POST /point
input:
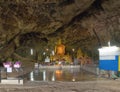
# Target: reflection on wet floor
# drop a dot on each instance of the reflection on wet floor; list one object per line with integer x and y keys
{"x": 71, "y": 74}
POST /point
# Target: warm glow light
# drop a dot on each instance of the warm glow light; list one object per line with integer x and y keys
{"x": 73, "y": 49}
{"x": 73, "y": 79}
{"x": 47, "y": 49}
{"x": 58, "y": 72}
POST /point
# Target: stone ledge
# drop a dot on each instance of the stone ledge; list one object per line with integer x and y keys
{"x": 12, "y": 81}
{"x": 57, "y": 67}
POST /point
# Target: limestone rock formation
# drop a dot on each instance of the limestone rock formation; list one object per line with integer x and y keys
{"x": 38, "y": 24}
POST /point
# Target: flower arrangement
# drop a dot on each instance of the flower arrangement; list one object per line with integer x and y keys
{"x": 7, "y": 64}
{"x": 17, "y": 64}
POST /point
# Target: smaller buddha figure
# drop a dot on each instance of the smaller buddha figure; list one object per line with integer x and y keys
{"x": 60, "y": 48}
{"x": 68, "y": 58}
{"x": 79, "y": 53}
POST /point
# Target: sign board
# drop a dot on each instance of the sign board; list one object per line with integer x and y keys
{"x": 9, "y": 69}
{"x": 109, "y": 58}
{"x": 47, "y": 59}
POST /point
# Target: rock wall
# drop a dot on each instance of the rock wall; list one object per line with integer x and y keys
{"x": 38, "y": 24}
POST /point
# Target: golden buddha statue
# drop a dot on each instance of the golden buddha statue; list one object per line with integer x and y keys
{"x": 59, "y": 48}
{"x": 79, "y": 53}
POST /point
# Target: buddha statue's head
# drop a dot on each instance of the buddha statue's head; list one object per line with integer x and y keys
{"x": 59, "y": 41}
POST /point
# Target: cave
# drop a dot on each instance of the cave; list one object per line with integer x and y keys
{"x": 38, "y": 24}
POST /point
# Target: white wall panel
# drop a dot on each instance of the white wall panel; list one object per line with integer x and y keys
{"x": 107, "y": 57}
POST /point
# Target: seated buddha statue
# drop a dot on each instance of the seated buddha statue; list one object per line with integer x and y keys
{"x": 59, "y": 48}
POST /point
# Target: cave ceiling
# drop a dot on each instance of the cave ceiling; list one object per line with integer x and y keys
{"x": 86, "y": 24}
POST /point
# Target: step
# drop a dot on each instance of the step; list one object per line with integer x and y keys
{"x": 12, "y": 81}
